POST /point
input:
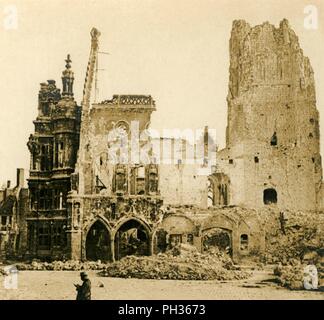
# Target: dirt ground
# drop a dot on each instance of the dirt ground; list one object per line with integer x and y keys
{"x": 57, "y": 285}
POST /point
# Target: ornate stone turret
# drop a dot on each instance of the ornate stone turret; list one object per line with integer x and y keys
{"x": 65, "y": 120}
{"x": 67, "y": 78}
{"x": 48, "y": 96}
{"x": 53, "y": 147}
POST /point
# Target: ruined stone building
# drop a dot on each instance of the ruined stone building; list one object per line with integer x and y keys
{"x": 118, "y": 203}
{"x": 14, "y": 204}
{"x": 272, "y": 153}
{"x": 53, "y": 149}
{"x": 77, "y": 197}
{"x": 82, "y": 205}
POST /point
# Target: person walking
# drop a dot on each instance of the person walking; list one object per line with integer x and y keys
{"x": 84, "y": 290}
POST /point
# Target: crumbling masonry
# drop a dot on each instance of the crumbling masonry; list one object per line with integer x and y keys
{"x": 272, "y": 153}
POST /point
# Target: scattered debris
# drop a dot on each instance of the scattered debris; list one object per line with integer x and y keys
{"x": 178, "y": 264}
{"x": 70, "y": 265}
{"x": 303, "y": 236}
{"x": 250, "y": 286}
{"x": 183, "y": 262}
{"x": 290, "y": 276}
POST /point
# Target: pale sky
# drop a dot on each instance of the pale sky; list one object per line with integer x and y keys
{"x": 175, "y": 50}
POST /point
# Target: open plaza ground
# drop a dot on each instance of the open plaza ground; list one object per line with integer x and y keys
{"x": 59, "y": 285}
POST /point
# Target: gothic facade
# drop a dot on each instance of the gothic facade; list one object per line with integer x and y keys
{"x": 85, "y": 205}
{"x": 53, "y": 150}
{"x": 114, "y": 205}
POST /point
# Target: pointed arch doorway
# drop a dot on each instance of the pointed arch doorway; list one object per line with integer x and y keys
{"x": 98, "y": 242}
{"x": 132, "y": 238}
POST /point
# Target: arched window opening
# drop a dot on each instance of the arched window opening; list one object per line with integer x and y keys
{"x": 190, "y": 238}
{"x": 244, "y": 242}
{"x": 140, "y": 180}
{"x": 269, "y": 196}
{"x": 153, "y": 179}
{"x": 120, "y": 183}
{"x": 217, "y": 238}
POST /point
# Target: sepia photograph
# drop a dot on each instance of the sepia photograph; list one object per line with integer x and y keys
{"x": 161, "y": 150}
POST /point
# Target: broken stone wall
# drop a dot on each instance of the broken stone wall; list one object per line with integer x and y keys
{"x": 231, "y": 162}
{"x": 179, "y": 182}
{"x": 182, "y": 184}
{"x": 178, "y": 224}
{"x": 103, "y": 119}
{"x": 220, "y": 187}
{"x": 23, "y": 208}
{"x": 191, "y": 224}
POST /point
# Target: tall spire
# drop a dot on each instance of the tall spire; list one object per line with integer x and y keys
{"x": 67, "y": 79}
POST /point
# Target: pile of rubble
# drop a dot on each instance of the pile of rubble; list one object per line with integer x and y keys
{"x": 70, "y": 265}
{"x": 180, "y": 263}
{"x": 293, "y": 245}
{"x": 302, "y": 232}
{"x": 291, "y": 275}
{"x": 183, "y": 262}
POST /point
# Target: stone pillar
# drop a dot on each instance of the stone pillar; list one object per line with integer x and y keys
{"x": 112, "y": 249}
{"x": 151, "y": 244}
{"x": 74, "y": 244}
{"x": 116, "y": 245}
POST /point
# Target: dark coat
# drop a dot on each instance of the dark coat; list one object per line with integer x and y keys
{"x": 84, "y": 291}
